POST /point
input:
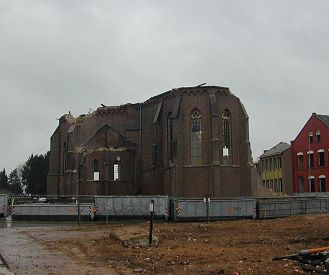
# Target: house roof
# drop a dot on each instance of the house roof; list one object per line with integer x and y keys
{"x": 324, "y": 119}
{"x": 277, "y": 149}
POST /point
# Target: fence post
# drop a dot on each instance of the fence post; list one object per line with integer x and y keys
{"x": 151, "y": 221}
{"x": 78, "y": 201}
{"x": 207, "y": 207}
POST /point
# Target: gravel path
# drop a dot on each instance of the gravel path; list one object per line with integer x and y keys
{"x": 25, "y": 255}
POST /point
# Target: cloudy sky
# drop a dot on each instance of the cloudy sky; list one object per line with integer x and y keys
{"x": 59, "y": 56}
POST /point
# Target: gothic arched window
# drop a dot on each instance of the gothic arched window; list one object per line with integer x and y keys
{"x": 226, "y": 119}
{"x": 196, "y": 138}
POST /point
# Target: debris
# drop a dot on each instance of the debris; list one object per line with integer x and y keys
{"x": 139, "y": 270}
{"x": 315, "y": 259}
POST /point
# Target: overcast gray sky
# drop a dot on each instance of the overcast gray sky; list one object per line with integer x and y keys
{"x": 57, "y": 56}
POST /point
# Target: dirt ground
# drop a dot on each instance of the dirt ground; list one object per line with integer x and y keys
{"x": 225, "y": 247}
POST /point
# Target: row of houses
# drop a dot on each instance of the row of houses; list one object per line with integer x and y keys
{"x": 302, "y": 166}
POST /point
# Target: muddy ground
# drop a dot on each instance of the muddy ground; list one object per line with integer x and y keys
{"x": 225, "y": 247}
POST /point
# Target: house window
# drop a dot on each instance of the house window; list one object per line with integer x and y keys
{"x": 280, "y": 185}
{"x": 322, "y": 183}
{"x": 196, "y": 138}
{"x": 317, "y": 136}
{"x": 275, "y": 182}
{"x": 279, "y": 163}
{"x": 96, "y": 170}
{"x": 310, "y": 137}
{"x": 311, "y": 184}
{"x": 321, "y": 157}
{"x": 310, "y": 159}
{"x": 266, "y": 166}
{"x": 300, "y": 160}
{"x": 227, "y": 128}
{"x": 275, "y": 163}
{"x": 271, "y": 167}
{"x": 301, "y": 184}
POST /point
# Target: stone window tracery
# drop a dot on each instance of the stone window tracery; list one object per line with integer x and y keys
{"x": 227, "y": 132}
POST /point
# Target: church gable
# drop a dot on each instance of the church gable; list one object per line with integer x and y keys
{"x": 105, "y": 137}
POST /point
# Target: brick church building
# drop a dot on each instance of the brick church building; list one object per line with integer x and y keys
{"x": 187, "y": 142}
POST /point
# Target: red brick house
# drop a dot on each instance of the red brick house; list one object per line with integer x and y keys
{"x": 310, "y": 156}
{"x": 189, "y": 142}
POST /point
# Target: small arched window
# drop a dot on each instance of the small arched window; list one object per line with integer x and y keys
{"x": 96, "y": 169}
{"x": 196, "y": 137}
{"x": 227, "y": 132}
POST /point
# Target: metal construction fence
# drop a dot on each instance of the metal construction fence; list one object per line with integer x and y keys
{"x": 3, "y": 204}
{"x": 285, "y": 207}
{"x": 219, "y": 209}
{"x": 176, "y": 209}
{"x": 53, "y": 211}
{"x": 131, "y": 206}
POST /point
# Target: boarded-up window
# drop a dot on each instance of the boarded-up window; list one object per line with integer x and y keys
{"x": 196, "y": 138}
